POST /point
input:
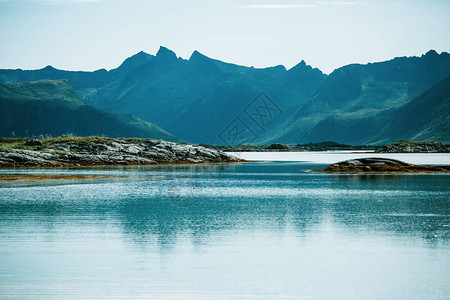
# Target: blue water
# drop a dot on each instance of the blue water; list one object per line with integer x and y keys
{"x": 265, "y": 230}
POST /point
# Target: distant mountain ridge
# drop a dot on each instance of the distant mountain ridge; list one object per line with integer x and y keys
{"x": 199, "y": 98}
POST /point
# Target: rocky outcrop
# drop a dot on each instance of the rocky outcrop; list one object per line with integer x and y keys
{"x": 416, "y": 147}
{"x": 380, "y": 165}
{"x": 34, "y": 142}
{"x": 111, "y": 152}
{"x": 278, "y": 146}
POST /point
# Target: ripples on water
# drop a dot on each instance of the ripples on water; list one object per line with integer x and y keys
{"x": 258, "y": 230}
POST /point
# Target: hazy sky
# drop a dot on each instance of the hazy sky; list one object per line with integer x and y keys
{"x": 93, "y": 34}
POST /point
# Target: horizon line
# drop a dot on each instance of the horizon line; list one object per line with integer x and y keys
{"x": 241, "y": 65}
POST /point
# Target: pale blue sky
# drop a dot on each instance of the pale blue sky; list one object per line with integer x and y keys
{"x": 93, "y": 34}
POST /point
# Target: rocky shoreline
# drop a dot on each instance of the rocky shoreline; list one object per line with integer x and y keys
{"x": 376, "y": 165}
{"x": 79, "y": 152}
{"x": 416, "y": 147}
{"x": 399, "y": 147}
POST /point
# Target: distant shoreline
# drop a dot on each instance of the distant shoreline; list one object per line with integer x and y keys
{"x": 399, "y": 147}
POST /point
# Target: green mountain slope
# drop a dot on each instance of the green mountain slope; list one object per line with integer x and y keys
{"x": 425, "y": 118}
{"x": 53, "y": 107}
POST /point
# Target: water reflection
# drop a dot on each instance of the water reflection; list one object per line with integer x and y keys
{"x": 371, "y": 177}
{"x": 164, "y": 202}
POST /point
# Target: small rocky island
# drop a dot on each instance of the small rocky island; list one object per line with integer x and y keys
{"x": 380, "y": 165}
{"x": 69, "y": 151}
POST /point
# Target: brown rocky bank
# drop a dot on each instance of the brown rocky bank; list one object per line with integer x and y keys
{"x": 45, "y": 177}
{"x": 105, "y": 151}
{"x": 380, "y": 165}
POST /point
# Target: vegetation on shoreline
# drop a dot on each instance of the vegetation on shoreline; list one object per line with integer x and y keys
{"x": 36, "y": 144}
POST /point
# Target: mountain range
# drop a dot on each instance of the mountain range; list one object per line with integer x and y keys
{"x": 203, "y": 100}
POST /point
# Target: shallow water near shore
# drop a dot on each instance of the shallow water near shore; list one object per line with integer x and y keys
{"x": 265, "y": 230}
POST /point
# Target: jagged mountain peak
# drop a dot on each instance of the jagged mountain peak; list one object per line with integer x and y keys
{"x": 300, "y": 65}
{"x": 197, "y": 55}
{"x": 164, "y": 52}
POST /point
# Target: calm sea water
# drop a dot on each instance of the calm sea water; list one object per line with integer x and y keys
{"x": 329, "y": 157}
{"x": 266, "y": 230}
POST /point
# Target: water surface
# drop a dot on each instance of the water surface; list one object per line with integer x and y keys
{"x": 329, "y": 157}
{"x": 259, "y": 230}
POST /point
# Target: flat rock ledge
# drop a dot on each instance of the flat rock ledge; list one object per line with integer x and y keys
{"x": 112, "y": 152}
{"x": 380, "y": 165}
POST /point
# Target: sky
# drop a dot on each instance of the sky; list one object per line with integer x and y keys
{"x": 94, "y": 34}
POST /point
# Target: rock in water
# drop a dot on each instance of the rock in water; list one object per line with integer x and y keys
{"x": 380, "y": 165}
